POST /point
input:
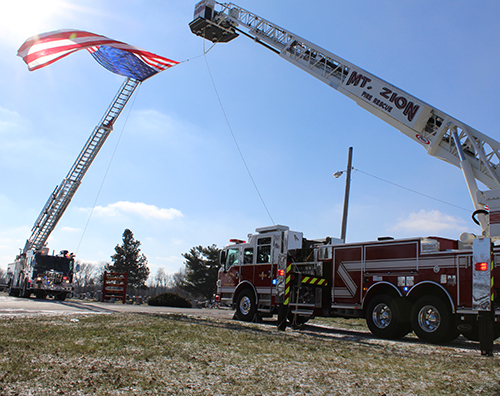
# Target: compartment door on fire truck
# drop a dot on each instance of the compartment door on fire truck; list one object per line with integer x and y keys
{"x": 266, "y": 259}
{"x": 348, "y": 262}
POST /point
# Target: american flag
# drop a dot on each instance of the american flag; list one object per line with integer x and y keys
{"x": 121, "y": 58}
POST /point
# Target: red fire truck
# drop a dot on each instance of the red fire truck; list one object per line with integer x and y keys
{"x": 437, "y": 287}
{"x": 419, "y": 284}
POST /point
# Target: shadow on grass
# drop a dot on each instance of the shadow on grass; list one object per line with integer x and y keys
{"x": 85, "y": 307}
{"x": 316, "y": 331}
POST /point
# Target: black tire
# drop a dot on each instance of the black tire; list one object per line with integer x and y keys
{"x": 40, "y": 295}
{"x": 13, "y": 292}
{"x": 60, "y": 296}
{"x": 25, "y": 293}
{"x": 386, "y": 317}
{"x": 433, "y": 321}
{"x": 246, "y": 307}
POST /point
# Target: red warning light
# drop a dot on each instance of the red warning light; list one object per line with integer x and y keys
{"x": 481, "y": 266}
{"x": 281, "y": 272}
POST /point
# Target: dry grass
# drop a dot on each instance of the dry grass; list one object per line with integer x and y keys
{"x": 132, "y": 354}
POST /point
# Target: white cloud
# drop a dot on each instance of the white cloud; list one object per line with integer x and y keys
{"x": 9, "y": 120}
{"x": 171, "y": 259}
{"x": 70, "y": 229}
{"x": 154, "y": 124}
{"x": 139, "y": 209}
{"x": 429, "y": 222}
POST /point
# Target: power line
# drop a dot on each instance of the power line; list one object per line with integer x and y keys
{"x": 409, "y": 189}
{"x": 236, "y": 142}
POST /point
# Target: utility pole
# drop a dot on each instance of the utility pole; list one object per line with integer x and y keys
{"x": 346, "y": 196}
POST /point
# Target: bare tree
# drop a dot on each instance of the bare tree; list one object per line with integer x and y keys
{"x": 83, "y": 276}
{"x": 87, "y": 278}
{"x": 162, "y": 279}
{"x": 161, "y": 283}
{"x": 178, "y": 279}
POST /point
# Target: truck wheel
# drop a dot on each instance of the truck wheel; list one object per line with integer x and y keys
{"x": 432, "y": 321}
{"x": 245, "y": 306}
{"x": 13, "y": 292}
{"x": 61, "y": 296}
{"x": 40, "y": 295}
{"x": 24, "y": 291}
{"x": 386, "y": 317}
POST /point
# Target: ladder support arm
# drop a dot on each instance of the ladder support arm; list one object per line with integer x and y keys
{"x": 423, "y": 123}
{"x": 471, "y": 182}
{"x": 61, "y": 196}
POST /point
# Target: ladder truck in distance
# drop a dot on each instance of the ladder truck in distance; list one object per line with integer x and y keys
{"x": 35, "y": 271}
{"x": 437, "y": 287}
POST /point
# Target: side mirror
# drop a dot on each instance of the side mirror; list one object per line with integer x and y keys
{"x": 77, "y": 267}
{"x": 222, "y": 259}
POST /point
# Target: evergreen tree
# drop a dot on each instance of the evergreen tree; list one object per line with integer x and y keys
{"x": 128, "y": 258}
{"x": 202, "y": 266}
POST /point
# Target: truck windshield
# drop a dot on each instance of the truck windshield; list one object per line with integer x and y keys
{"x": 232, "y": 258}
{"x": 47, "y": 263}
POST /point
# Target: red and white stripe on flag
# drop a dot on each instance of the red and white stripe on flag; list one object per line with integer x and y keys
{"x": 46, "y": 48}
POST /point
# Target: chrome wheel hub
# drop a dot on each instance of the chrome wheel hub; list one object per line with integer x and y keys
{"x": 382, "y": 315}
{"x": 245, "y": 305}
{"x": 429, "y": 318}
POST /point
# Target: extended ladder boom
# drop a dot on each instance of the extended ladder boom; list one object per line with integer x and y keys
{"x": 477, "y": 155}
{"x": 62, "y": 195}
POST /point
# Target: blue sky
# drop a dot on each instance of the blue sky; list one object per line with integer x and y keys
{"x": 170, "y": 171}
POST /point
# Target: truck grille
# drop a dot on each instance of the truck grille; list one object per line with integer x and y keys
{"x": 52, "y": 277}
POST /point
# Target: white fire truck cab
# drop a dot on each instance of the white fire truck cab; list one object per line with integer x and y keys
{"x": 42, "y": 274}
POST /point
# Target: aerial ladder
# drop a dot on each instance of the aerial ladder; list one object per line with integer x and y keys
{"x": 61, "y": 196}
{"x": 441, "y": 135}
{"x": 35, "y": 270}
